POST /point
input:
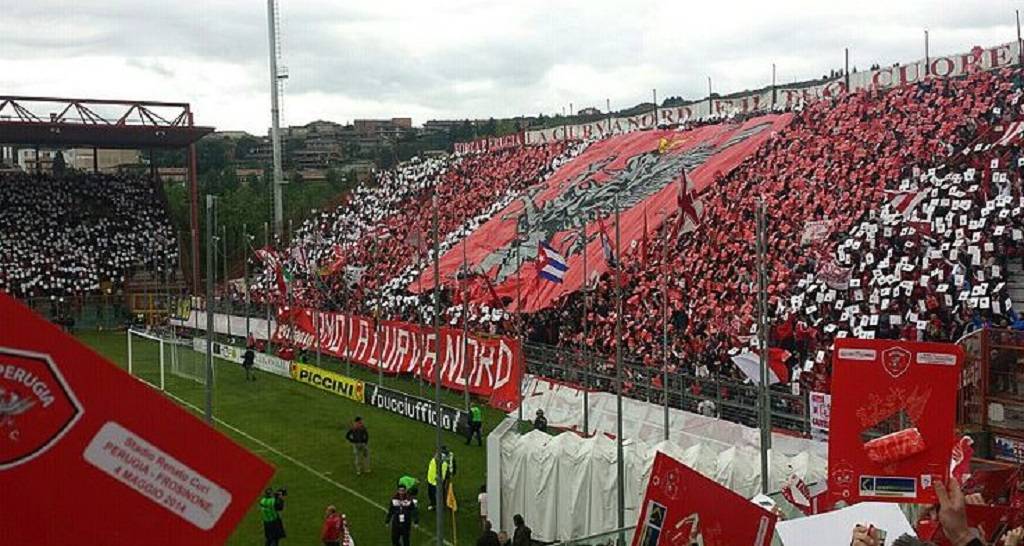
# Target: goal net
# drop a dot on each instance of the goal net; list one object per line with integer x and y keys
{"x": 152, "y": 355}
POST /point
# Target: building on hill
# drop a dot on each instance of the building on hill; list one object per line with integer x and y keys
{"x": 84, "y": 159}
{"x": 383, "y": 128}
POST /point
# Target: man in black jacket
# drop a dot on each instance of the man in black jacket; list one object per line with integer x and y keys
{"x": 402, "y": 515}
{"x": 358, "y": 436}
{"x": 489, "y": 538}
{"x": 523, "y": 535}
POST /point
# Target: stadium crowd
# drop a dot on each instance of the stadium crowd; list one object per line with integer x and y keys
{"x": 916, "y": 219}
{"x": 79, "y": 233}
{"x": 834, "y": 163}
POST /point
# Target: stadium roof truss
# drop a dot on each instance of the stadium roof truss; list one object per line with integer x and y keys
{"x": 109, "y": 124}
{"x": 63, "y": 122}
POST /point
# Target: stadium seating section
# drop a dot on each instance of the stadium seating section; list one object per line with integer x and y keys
{"x": 79, "y": 233}
{"x": 918, "y": 210}
{"x": 912, "y": 246}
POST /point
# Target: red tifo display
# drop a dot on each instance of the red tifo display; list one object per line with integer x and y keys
{"x": 638, "y": 172}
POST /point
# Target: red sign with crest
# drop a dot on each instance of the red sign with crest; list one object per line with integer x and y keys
{"x": 682, "y": 507}
{"x": 89, "y": 454}
{"x": 892, "y": 426}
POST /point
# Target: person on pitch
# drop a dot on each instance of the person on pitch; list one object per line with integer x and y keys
{"x": 476, "y": 425}
{"x": 331, "y": 532}
{"x": 248, "y": 361}
{"x": 271, "y": 505}
{"x": 359, "y": 437}
{"x": 402, "y": 516}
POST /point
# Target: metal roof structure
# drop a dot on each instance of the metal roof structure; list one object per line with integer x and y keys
{"x": 97, "y": 123}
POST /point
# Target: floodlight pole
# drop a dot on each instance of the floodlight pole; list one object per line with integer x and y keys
{"x": 275, "y": 118}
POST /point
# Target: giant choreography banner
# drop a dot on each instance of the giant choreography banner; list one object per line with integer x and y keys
{"x": 639, "y": 171}
{"x": 492, "y": 366}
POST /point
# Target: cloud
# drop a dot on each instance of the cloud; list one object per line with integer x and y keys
{"x": 457, "y": 58}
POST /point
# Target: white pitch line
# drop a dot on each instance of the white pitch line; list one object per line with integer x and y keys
{"x": 293, "y": 460}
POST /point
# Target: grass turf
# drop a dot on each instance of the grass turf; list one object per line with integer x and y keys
{"x": 300, "y": 430}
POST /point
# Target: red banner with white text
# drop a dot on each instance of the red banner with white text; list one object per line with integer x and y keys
{"x": 487, "y": 144}
{"x": 491, "y": 365}
{"x": 639, "y": 172}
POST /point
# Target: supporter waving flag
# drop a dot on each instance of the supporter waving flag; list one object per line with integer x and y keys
{"x": 550, "y": 264}
{"x": 272, "y": 260}
{"x": 691, "y": 209}
{"x": 606, "y": 245}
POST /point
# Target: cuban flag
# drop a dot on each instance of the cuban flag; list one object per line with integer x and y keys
{"x": 550, "y": 264}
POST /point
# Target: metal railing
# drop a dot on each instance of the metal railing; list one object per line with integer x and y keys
{"x": 733, "y": 401}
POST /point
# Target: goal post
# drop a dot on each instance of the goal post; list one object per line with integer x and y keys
{"x": 152, "y": 355}
{"x": 146, "y": 358}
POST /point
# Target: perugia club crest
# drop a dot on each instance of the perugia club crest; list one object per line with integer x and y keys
{"x": 37, "y": 406}
{"x": 896, "y": 361}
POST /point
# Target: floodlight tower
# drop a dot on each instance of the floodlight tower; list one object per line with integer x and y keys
{"x": 277, "y": 78}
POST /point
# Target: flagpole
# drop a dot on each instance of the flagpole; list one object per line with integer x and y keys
{"x": 583, "y": 343}
{"x": 465, "y": 323}
{"x": 245, "y": 279}
{"x": 762, "y": 342}
{"x": 290, "y": 289}
{"x": 420, "y": 248}
{"x": 266, "y": 291}
{"x": 519, "y": 308}
{"x": 437, "y": 364}
{"x": 619, "y": 462}
{"x": 227, "y": 284}
{"x": 664, "y": 323}
{"x": 209, "y": 307}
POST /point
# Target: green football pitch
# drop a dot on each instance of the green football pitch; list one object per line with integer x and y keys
{"x": 300, "y": 431}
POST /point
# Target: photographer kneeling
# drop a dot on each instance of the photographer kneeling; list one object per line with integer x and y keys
{"x": 270, "y": 512}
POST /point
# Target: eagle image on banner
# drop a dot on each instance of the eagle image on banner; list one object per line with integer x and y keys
{"x": 642, "y": 170}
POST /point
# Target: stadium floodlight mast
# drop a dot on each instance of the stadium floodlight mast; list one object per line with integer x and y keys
{"x": 275, "y": 115}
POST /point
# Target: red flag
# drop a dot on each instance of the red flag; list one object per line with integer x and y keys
{"x": 682, "y": 506}
{"x": 271, "y": 259}
{"x": 690, "y": 207}
{"x": 960, "y": 461}
{"x": 798, "y": 494}
{"x": 335, "y": 262}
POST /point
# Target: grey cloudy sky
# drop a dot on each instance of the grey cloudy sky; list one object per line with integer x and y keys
{"x": 457, "y": 58}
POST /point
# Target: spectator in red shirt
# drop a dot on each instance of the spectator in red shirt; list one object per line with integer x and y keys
{"x": 331, "y": 533}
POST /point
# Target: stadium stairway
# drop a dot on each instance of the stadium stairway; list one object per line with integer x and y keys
{"x": 1015, "y": 283}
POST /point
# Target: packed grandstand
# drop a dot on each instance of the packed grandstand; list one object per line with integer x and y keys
{"x": 892, "y": 212}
